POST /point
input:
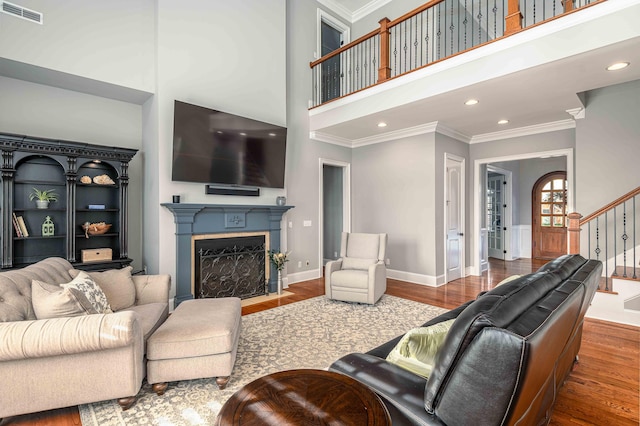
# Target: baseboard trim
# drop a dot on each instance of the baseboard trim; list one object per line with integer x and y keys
{"x": 299, "y": 277}
{"x": 428, "y": 280}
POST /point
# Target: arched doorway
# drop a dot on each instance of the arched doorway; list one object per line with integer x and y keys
{"x": 549, "y": 216}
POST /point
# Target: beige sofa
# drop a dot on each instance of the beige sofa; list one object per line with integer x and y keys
{"x": 66, "y": 361}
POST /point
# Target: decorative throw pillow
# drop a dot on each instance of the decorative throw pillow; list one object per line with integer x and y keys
{"x": 417, "y": 349}
{"x": 116, "y": 284}
{"x": 53, "y": 301}
{"x": 83, "y": 283}
{"x": 506, "y": 280}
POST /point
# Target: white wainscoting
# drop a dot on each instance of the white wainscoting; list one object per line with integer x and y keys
{"x": 521, "y": 241}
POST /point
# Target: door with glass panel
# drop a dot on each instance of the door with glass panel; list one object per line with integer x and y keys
{"x": 495, "y": 215}
{"x": 549, "y": 219}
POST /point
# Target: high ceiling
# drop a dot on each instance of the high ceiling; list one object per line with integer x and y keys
{"x": 535, "y": 95}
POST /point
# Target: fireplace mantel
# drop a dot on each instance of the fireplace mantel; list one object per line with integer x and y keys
{"x": 197, "y": 219}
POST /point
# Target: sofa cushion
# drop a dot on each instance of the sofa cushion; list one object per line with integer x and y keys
{"x": 116, "y": 284}
{"x": 564, "y": 266}
{"x": 417, "y": 349}
{"x": 91, "y": 290}
{"x": 15, "y": 287}
{"x": 363, "y": 246}
{"x": 351, "y": 278}
{"x": 151, "y": 316}
{"x": 53, "y": 301}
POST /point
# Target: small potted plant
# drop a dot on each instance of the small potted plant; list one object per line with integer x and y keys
{"x": 43, "y": 197}
{"x": 279, "y": 259}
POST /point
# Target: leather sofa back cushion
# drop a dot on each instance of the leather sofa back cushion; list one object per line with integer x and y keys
{"x": 53, "y": 301}
{"x": 15, "y": 287}
{"x": 564, "y": 266}
{"x": 117, "y": 286}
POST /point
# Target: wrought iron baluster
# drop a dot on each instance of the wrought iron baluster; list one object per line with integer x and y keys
{"x": 615, "y": 239}
{"x": 439, "y": 32}
{"x": 465, "y": 22}
{"x": 624, "y": 239}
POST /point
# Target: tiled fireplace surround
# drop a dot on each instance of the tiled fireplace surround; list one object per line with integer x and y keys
{"x": 195, "y": 220}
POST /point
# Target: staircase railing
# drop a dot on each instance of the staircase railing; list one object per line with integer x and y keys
{"x": 611, "y": 234}
{"x": 428, "y": 34}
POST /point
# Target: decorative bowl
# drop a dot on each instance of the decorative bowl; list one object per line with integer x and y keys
{"x": 96, "y": 228}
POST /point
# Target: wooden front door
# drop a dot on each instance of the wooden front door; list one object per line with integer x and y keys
{"x": 549, "y": 220}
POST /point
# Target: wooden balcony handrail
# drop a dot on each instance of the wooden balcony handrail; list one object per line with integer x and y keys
{"x": 345, "y": 47}
{"x": 513, "y": 21}
{"x": 610, "y": 206}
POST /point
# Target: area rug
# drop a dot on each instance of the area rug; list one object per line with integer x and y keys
{"x": 308, "y": 334}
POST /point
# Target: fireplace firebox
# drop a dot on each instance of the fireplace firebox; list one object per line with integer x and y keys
{"x": 230, "y": 267}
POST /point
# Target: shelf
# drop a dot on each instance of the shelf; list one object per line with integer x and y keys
{"x": 39, "y": 182}
{"x": 110, "y": 234}
{"x": 34, "y": 209}
{"x": 39, "y": 237}
{"x": 97, "y": 210}
{"x": 95, "y": 185}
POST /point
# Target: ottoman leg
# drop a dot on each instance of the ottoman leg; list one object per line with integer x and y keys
{"x": 127, "y": 402}
{"x": 159, "y": 388}
{"x": 222, "y": 382}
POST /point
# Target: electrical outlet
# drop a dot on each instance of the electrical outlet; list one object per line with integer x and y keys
{"x": 387, "y": 262}
{"x": 335, "y": 254}
{"x": 299, "y": 264}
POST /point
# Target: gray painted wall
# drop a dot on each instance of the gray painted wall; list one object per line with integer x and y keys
{"x": 608, "y": 146}
{"x": 38, "y": 110}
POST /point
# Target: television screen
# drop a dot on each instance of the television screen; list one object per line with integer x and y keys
{"x": 216, "y": 147}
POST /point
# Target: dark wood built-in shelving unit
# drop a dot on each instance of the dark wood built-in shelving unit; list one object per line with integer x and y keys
{"x": 29, "y": 162}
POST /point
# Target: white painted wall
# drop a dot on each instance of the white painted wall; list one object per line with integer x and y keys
{"x": 107, "y": 41}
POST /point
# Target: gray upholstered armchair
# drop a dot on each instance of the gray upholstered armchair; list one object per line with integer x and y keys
{"x": 360, "y": 274}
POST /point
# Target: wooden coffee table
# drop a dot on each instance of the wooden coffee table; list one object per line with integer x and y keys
{"x": 304, "y": 397}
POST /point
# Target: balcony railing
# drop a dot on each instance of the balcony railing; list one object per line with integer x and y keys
{"x": 433, "y": 32}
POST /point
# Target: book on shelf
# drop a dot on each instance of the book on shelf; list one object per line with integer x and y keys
{"x": 23, "y": 227}
{"x": 16, "y": 226}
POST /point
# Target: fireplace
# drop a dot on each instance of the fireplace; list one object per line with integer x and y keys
{"x": 230, "y": 266}
{"x": 210, "y": 221}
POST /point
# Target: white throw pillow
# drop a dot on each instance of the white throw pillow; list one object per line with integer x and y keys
{"x": 53, "y": 301}
{"x": 117, "y": 285}
{"x": 91, "y": 290}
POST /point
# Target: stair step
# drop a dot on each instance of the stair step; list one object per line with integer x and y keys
{"x": 621, "y": 274}
{"x": 603, "y": 285}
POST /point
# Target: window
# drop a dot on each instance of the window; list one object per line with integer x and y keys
{"x": 553, "y": 203}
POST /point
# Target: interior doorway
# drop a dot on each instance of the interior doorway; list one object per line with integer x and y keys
{"x": 454, "y": 217}
{"x": 549, "y": 215}
{"x": 499, "y": 212}
{"x": 332, "y": 34}
{"x": 335, "y": 210}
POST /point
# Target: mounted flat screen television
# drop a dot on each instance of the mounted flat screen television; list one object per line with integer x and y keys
{"x": 216, "y": 147}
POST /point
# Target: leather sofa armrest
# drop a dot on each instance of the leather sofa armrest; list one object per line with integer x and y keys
{"x": 152, "y": 288}
{"x": 68, "y": 335}
{"x": 401, "y": 390}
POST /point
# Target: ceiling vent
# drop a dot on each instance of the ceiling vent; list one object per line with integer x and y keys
{"x": 21, "y": 12}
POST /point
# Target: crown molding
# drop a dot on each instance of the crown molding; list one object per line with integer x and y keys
{"x": 335, "y": 140}
{"x": 396, "y": 134}
{"x": 452, "y": 133}
{"x": 577, "y": 113}
{"x": 524, "y": 131}
{"x": 338, "y": 9}
{"x": 368, "y": 8}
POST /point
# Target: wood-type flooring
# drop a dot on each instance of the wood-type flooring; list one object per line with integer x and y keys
{"x": 602, "y": 390}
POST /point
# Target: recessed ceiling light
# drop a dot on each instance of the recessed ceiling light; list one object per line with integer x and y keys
{"x": 471, "y": 102}
{"x": 382, "y": 124}
{"x": 617, "y": 66}
{"x": 503, "y": 121}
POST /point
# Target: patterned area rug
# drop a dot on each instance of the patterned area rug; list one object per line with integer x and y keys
{"x": 308, "y": 334}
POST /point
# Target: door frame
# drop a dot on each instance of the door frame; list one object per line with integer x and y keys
{"x": 463, "y": 217}
{"x": 333, "y": 22}
{"x": 535, "y": 212}
{"x": 508, "y": 211}
{"x": 479, "y": 193}
{"x": 346, "y": 203}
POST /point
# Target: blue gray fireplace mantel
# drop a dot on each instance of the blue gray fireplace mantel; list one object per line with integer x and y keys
{"x": 201, "y": 219}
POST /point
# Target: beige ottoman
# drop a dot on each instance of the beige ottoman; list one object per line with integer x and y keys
{"x": 198, "y": 340}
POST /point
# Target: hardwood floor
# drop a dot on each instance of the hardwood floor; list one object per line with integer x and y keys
{"x": 603, "y": 389}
